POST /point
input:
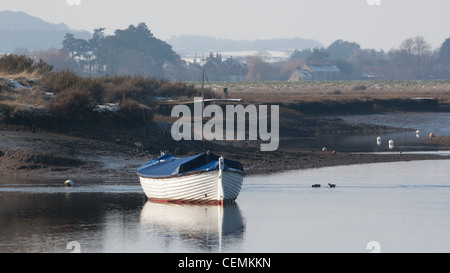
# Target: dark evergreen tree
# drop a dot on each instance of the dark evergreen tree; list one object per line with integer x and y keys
{"x": 303, "y": 54}
{"x": 444, "y": 52}
{"x": 132, "y": 51}
{"x": 319, "y": 56}
{"x": 343, "y": 50}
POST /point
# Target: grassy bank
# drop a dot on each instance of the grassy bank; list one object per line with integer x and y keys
{"x": 52, "y": 99}
{"x": 339, "y": 91}
{"x": 135, "y": 109}
{"x": 124, "y": 120}
{"x": 62, "y": 100}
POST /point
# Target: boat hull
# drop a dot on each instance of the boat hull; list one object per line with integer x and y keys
{"x": 214, "y": 187}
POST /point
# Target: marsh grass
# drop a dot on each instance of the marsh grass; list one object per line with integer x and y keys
{"x": 71, "y": 99}
{"x": 327, "y": 91}
{"x": 17, "y": 64}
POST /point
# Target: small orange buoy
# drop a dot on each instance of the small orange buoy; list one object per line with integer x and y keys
{"x": 431, "y": 135}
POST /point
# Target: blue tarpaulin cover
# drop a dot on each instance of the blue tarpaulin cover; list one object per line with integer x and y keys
{"x": 169, "y": 165}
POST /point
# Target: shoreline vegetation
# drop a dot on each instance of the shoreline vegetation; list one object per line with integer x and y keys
{"x": 60, "y": 125}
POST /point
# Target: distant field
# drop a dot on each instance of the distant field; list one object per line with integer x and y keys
{"x": 333, "y": 91}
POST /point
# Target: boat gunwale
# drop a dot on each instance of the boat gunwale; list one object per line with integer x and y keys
{"x": 243, "y": 173}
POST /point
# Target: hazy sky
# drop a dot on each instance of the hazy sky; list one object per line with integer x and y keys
{"x": 372, "y": 26}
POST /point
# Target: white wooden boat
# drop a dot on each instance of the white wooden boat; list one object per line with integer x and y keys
{"x": 204, "y": 178}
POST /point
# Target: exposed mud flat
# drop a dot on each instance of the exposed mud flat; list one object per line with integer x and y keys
{"x": 46, "y": 156}
{"x": 24, "y": 154}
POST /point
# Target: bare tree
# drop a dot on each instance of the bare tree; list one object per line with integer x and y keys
{"x": 417, "y": 46}
{"x": 407, "y": 46}
{"x": 413, "y": 60}
{"x": 421, "y": 47}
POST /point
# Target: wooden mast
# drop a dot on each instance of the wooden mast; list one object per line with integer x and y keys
{"x": 203, "y": 92}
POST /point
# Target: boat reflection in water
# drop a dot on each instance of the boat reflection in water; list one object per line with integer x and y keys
{"x": 195, "y": 227}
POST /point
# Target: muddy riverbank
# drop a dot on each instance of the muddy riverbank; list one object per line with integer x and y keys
{"x": 37, "y": 143}
{"x": 42, "y": 155}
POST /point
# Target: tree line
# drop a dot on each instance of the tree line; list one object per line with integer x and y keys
{"x": 135, "y": 51}
{"x": 413, "y": 60}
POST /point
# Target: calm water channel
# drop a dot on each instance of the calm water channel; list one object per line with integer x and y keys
{"x": 406, "y": 140}
{"x": 387, "y": 207}
{"x": 398, "y": 207}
